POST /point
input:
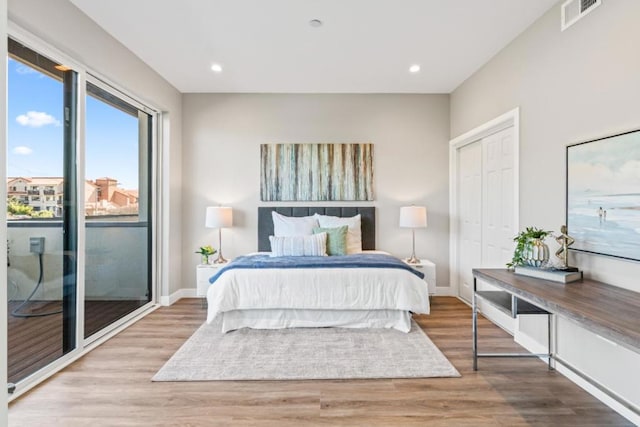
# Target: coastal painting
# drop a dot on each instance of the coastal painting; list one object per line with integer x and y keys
{"x": 603, "y": 195}
{"x": 316, "y": 172}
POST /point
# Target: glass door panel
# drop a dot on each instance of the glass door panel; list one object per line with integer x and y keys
{"x": 41, "y": 211}
{"x": 117, "y": 200}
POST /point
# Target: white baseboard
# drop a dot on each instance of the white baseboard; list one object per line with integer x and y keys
{"x": 444, "y": 291}
{"x": 534, "y": 346}
{"x": 598, "y": 394}
{"x": 177, "y": 295}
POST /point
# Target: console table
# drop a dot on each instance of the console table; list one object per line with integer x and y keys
{"x": 608, "y": 311}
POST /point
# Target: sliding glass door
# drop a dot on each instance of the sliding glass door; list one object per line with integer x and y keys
{"x": 41, "y": 211}
{"x": 117, "y": 200}
{"x": 79, "y": 210}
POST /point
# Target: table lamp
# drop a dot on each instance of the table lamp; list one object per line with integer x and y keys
{"x": 219, "y": 217}
{"x": 413, "y": 217}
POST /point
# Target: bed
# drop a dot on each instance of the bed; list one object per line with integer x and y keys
{"x": 365, "y": 290}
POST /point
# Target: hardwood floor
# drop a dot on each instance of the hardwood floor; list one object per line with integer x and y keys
{"x": 111, "y": 386}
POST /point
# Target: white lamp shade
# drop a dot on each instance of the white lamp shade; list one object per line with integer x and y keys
{"x": 218, "y": 217}
{"x": 413, "y": 217}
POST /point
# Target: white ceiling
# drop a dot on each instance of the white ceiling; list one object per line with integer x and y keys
{"x": 364, "y": 46}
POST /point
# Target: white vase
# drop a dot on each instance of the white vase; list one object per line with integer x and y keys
{"x": 536, "y": 253}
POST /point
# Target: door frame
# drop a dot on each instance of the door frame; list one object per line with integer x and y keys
{"x": 504, "y": 121}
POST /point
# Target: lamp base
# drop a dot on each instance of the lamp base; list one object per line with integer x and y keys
{"x": 413, "y": 260}
{"x": 220, "y": 259}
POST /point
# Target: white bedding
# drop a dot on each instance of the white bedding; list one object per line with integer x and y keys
{"x": 351, "y": 289}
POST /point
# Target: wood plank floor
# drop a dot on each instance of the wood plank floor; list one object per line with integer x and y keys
{"x": 34, "y": 342}
{"x": 111, "y": 387}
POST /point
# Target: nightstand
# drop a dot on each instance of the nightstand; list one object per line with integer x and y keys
{"x": 204, "y": 272}
{"x": 428, "y": 268}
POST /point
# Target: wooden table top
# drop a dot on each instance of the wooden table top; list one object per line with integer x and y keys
{"x": 609, "y": 311}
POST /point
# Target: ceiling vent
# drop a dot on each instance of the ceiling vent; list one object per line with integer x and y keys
{"x": 574, "y": 10}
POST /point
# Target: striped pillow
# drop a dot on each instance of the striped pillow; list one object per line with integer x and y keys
{"x": 315, "y": 245}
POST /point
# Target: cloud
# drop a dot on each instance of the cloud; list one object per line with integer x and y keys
{"x": 22, "y": 150}
{"x": 23, "y": 69}
{"x": 36, "y": 119}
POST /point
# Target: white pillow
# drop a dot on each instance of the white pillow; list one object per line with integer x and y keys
{"x": 314, "y": 245}
{"x": 293, "y": 226}
{"x": 354, "y": 233}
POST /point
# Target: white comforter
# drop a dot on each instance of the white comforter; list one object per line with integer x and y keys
{"x": 319, "y": 289}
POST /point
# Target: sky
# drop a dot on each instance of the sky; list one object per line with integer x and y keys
{"x": 607, "y": 166}
{"x": 35, "y": 146}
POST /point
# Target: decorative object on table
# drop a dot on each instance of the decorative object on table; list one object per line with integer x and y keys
{"x": 564, "y": 240}
{"x": 316, "y": 172}
{"x": 530, "y": 248}
{"x": 219, "y": 217}
{"x": 603, "y": 195}
{"x": 205, "y": 252}
{"x": 413, "y": 217}
{"x": 550, "y": 273}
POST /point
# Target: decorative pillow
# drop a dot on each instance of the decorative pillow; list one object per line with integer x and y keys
{"x": 336, "y": 239}
{"x": 354, "y": 234}
{"x": 293, "y": 226}
{"x": 315, "y": 245}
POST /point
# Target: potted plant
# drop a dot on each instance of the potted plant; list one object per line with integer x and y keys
{"x": 206, "y": 252}
{"x": 530, "y": 248}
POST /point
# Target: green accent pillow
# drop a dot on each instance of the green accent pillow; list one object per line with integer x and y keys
{"x": 336, "y": 239}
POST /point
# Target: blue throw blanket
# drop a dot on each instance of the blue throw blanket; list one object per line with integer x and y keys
{"x": 347, "y": 261}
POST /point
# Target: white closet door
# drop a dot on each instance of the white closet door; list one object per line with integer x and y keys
{"x": 485, "y": 200}
{"x": 498, "y": 198}
{"x": 470, "y": 215}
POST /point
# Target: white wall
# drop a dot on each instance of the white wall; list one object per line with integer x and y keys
{"x": 62, "y": 25}
{"x": 221, "y": 162}
{"x": 571, "y": 86}
{"x": 3, "y": 213}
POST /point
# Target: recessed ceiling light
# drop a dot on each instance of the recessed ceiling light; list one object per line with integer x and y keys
{"x": 414, "y": 68}
{"x": 216, "y": 68}
{"x": 315, "y": 23}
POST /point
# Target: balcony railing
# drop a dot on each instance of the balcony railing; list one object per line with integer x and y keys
{"x": 116, "y": 256}
{"x": 33, "y": 192}
{"x": 49, "y": 192}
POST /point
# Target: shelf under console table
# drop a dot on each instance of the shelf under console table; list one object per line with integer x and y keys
{"x": 608, "y": 311}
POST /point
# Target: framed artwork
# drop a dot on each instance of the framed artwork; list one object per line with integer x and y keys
{"x": 603, "y": 195}
{"x": 316, "y": 172}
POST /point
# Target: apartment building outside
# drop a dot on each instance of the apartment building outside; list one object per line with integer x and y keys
{"x": 101, "y": 197}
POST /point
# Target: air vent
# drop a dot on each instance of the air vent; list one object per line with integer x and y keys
{"x": 574, "y": 10}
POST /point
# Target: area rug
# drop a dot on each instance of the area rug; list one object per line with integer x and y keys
{"x": 305, "y": 354}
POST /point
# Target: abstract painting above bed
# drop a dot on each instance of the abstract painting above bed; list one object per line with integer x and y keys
{"x": 316, "y": 172}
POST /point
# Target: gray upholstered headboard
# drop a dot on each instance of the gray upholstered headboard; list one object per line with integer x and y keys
{"x": 367, "y": 213}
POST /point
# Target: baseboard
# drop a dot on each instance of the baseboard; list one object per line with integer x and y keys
{"x": 177, "y": 295}
{"x": 598, "y": 394}
{"x": 444, "y": 291}
{"x": 534, "y": 346}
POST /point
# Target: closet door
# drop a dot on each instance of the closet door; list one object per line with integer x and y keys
{"x": 470, "y": 215}
{"x": 498, "y": 199}
{"x": 485, "y": 200}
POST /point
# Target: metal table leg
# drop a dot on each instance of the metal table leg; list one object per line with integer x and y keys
{"x": 474, "y": 326}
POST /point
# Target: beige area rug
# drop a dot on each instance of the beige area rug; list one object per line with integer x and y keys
{"x": 305, "y": 354}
